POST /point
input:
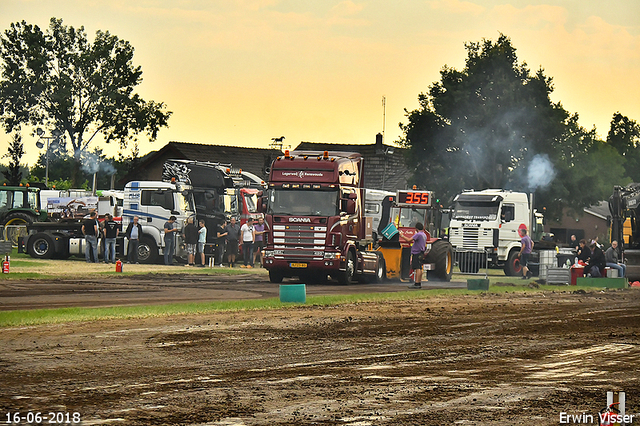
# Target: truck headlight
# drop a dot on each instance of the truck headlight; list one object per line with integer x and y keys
{"x": 268, "y": 253}
{"x": 331, "y": 255}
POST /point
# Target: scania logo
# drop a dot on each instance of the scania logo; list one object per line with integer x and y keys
{"x": 299, "y": 219}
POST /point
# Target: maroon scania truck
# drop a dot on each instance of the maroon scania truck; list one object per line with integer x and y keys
{"x": 315, "y": 224}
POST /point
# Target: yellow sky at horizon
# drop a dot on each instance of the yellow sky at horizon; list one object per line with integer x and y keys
{"x": 241, "y": 72}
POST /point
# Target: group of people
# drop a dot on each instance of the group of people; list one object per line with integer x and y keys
{"x": 595, "y": 260}
{"x": 194, "y": 237}
{"x": 231, "y": 235}
{"x": 92, "y": 230}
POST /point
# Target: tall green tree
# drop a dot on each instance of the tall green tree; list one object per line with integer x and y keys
{"x": 60, "y": 80}
{"x": 493, "y": 125}
{"x": 624, "y": 136}
{"x": 13, "y": 173}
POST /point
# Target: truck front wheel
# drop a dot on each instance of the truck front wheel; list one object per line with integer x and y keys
{"x": 346, "y": 277}
{"x": 275, "y": 276}
{"x": 147, "y": 251}
{"x": 513, "y": 268}
{"x": 41, "y": 246}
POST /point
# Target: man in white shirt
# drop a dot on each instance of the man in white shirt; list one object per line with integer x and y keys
{"x": 248, "y": 237}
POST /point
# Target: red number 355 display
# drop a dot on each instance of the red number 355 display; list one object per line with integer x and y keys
{"x": 412, "y": 198}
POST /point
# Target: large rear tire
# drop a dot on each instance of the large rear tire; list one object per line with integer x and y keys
{"x": 381, "y": 271}
{"x": 15, "y": 226}
{"x": 441, "y": 254}
{"x": 42, "y": 246}
{"x": 513, "y": 267}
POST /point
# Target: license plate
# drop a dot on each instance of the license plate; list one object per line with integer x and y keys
{"x": 298, "y": 265}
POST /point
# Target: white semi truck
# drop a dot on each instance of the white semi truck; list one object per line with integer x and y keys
{"x": 488, "y": 221}
{"x": 154, "y": 202}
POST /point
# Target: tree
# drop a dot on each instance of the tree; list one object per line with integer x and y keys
{"x": 60, "y": 80}
{"x": 13, "y": 173}
{"x": 624, "y": 136}
{"x": 490, "y": 126}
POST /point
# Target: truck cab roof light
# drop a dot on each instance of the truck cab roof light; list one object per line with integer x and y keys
{"x": 285, "y": 185}
{"x": 325, "y": 155}
{"x": 306, "y": 186}
{"x": 316, "y": 186}
{"x": 173, "y": 180}
{"x": 333, "y": 159}
{"x": 286, "y": 153}
{"x": 414, "y": 187}
{"x": 295, "y": 185}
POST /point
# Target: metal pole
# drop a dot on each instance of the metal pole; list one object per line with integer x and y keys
{"x": 46, "y": 175}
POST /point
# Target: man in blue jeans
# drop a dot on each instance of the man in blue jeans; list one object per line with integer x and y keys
{"x": 90, "y": 231}
{"x": 170, "y": 230}
{"x": 111, "y": 231}
{"x": 133, "y": 233}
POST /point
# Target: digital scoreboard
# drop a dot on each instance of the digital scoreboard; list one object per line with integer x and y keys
{"x": 407, "y": 198}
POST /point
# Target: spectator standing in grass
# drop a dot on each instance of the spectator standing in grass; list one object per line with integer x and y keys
{"x": 90, "y": 232}
{"x": 258, "y": 244}
{"x": 233, "y": 236}
{"x": 202, "y": 239}
{"x": 111, "y": 231}
{"x": 191, "y": 240}
{"x": 248, "y": 237}
{"x": 134, "y": 233}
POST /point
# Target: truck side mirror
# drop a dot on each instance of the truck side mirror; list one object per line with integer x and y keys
{"x": 351, "y": 206}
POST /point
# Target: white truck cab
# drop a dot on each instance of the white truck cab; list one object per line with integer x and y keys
{"x": 489, "y": 220}
{"x": 154, "y": 202}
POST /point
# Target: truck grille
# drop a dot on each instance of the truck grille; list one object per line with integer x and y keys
{"x": 470, "y": 238}
{"x": 304, "y": 242}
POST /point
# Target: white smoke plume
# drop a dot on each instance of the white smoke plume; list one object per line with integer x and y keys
{"x": 92, "y": 163}
{"x": 540, "y": 172}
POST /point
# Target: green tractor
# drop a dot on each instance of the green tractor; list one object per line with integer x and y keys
{"x": 19, "y": 207}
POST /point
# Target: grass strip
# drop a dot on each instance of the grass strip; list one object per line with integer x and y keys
{"x": 79, "y": 314}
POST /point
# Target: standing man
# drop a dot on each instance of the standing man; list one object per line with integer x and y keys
{"x": 233, "y": 235}
{"x": 526, "y": 245}
{"x": 111, "y": 231}
{"x": 574, "y": 244}
{"x": 202, "y": 239}
{"x": 259, "y": 242}
{"x": 248, "y": 236}
{"x": 419, "y": 240}
{"x": 170, "y": 230}
{"x": 221, "y": 234}
{"x": 133, "y": 234}
{"x": 611, "y": 256}
{"x": 90, "y": 231}
{"x": 191, "y": 240}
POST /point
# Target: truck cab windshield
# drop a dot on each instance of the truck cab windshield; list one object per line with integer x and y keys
{"x": 303, "y": 202}
{"x": 476, "y": 210}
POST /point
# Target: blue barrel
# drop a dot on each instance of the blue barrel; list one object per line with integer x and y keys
{"x": 296, "y": 293}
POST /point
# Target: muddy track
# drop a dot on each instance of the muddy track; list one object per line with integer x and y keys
{"x": 517, "y": 359}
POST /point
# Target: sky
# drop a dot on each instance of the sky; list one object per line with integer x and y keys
{"x": 240, "y": 72}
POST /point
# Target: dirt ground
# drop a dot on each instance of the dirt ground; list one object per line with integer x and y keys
{"x": 485, "y": 359}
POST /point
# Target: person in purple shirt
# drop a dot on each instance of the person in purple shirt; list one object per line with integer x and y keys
{"x": 525, "y": 251}
{"x": 419, "y": 241}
